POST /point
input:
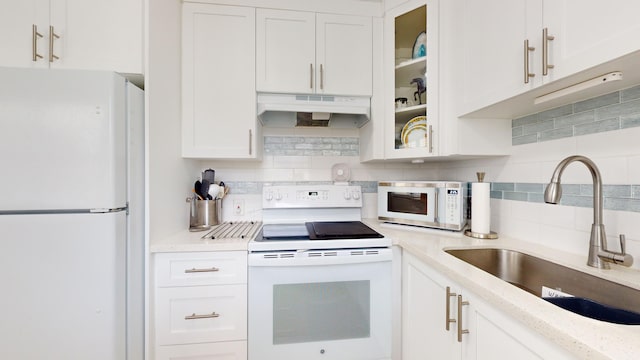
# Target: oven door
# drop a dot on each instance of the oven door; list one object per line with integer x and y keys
{"x": 417, "y": 205}
{"x": 326, "y": 304}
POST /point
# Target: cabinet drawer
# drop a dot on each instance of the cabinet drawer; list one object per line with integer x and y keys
{"x": 201, "y": 268}
{"x": 232, "y": 350}
{"x": 198, "y": 314}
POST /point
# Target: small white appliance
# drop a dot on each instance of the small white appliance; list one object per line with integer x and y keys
{"x": 435, "y": 204}
{"x": 319, "y": 279}
{"x": 71, "y": 215}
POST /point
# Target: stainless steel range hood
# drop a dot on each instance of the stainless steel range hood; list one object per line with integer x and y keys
{"x": 289, "y": 110}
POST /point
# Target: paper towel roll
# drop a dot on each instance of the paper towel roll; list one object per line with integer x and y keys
{"x": 480, "y": 208}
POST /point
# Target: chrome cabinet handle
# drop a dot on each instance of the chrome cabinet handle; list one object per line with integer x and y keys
{"x": 194, "y": 270}
{"x": 430, "y": 139}
{"x": 52, "y": 37}
{"x": 460, "y": 330}
{"x": 34, "y": 42}
{"x": 527, "y": 49}
{"x": 321, "y": 77}
{"x": 203, "y": 316}
{"x": 448, "y": 308}
{"x": 311, "y": 76}
{"x": 250, "y": 142}
{"x": 545, "y": 51}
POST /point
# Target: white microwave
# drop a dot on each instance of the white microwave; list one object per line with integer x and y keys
{"x": 435, "y": 204}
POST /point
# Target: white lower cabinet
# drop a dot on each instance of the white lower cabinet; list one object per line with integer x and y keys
{"x": 476, "y": 330}
{"x": 200, "y": 305}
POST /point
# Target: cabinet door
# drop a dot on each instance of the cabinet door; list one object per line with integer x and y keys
{"x": 424, "y": 314}
{"x": 285, "y": 51}
{"x": 493, "y": 57}
{"x": 589, "y": 32}
{"x": 343, "y": 54}
{"x": 17, "y": 43}
{"x": 218, "y": 82}
{"x": 98, "y": 35}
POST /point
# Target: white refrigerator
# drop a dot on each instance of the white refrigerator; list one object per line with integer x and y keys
{"x": 71, "y": 215}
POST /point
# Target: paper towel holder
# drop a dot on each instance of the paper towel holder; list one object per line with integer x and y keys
{"x": 492, "y": 234}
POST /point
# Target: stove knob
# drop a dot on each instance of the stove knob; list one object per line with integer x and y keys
{"x": 268, "y": 196}
{"x": 278, "y": 196}
{"x": 347, "y": 195}
{"x": 356, "y": 195}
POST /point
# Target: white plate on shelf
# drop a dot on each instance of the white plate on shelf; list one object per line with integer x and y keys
{"x": 414, "y": 132}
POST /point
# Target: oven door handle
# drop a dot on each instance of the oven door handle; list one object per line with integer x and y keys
{"x": 319, "y": 257}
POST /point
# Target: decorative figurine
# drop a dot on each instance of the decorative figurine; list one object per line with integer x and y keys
{"x": 421, "y": 89}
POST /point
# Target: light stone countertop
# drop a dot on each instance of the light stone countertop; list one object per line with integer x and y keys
{"x": 585, "y": 338}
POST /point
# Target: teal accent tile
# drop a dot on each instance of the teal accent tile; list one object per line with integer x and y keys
{"x": 616, "y": 204}
{"x": 570, "y": 189}
{"x": 634, "y": 205}
{"x": 622, "y": 109}
{"x": 527, "y": 139}
{"x": 586, "y": 189}
{"x": 495, "y": 194}
{"x": 556, "y": 134}
{"x": 597, "y": 102}
{"x": 631, "y": 93}
{"x": 597, "y": 127}
{"x": 502, "y": 186}
{"x": 516, "y": 131}
{"x": 529, "y": 119}
{"x": 273, "y": 139}
{"x": 511, "y": 195}
{"x": 580, "y": 201}
{"x": 555, "y": 112}
{"x": 350, "y": 140}
{"x": 629, "y": 121}
{"x": 535, "y": 197}
{"x": 537, "y": 127}
{"x": 529, "y": 187}
{"x": 616, "y": 191}
{"x": 635, "y": 191}
{"x": 574, "y": 119}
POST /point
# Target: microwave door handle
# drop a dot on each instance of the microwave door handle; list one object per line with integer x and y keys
{"x": 436, "y": 210}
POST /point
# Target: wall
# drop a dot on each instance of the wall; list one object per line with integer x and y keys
{"x": 605, "y": 129}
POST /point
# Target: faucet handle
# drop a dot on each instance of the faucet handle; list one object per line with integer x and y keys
{"x": 623, "y": 244}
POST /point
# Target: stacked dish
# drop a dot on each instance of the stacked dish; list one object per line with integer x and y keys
{"x": 414, "y": 132}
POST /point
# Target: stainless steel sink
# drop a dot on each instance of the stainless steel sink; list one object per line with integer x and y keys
{"x": 531, "y": 273}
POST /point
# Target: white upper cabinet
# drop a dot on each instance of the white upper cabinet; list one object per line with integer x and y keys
{"x": 589, "y": 32}
{"x": 73, "y": 34}
{"x": 584, "y": 39}
{"x": 218, "y": 82}
{"x": 305, "y": 52}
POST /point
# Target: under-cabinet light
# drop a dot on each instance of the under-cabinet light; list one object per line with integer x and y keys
{"x": 603, "y": 79}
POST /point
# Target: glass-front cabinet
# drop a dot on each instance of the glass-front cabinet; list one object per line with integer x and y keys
{"x": 411, "y": 76}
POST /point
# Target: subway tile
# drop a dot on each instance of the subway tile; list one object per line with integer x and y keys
{"x": 350, "y": 140}
{"x": 555, "y": 112}
{"x": 635, "y": 191}
{"x": 616, "y": 191}
{"x": 580, "y": 201}
{"x": 529, "y": 119}
{"x": 616, "y": 204}
{"x": 527, "y": 139}
{"x": 634, "y": 205}
{"x": 529, "y": 188}
{"x": 622, "y": 109}
{"x": 512, "y": 195}
{"x": 570, "y": 189}
{"x": 574, "y": 119}
{"x": 597, "y": 102}
{"x": 516, "y": 131}
{"x": 537, "y": 127}
{"x": 631, "y": 93}
{"x": 495, "y": 194}
{"x": 628, "y": 121}
{"x": 502, "y": 186}
{"x": 597, "y": 127}
{"x": 535, "y": 197}
{"x": 556, "y": 134}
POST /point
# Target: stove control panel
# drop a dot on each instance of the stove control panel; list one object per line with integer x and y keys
{"x": 311, "y": 196}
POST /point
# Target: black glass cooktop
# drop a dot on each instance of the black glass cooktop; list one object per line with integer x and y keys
{"x": 318, "y": 230}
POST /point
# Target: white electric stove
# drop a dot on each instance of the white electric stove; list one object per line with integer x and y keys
{"x": 319, "y": 279}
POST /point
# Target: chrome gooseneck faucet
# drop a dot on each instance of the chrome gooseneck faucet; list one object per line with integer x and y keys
{"x": 599, "y": 255}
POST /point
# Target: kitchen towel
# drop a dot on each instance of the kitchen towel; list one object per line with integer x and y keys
{"x": 480, "y": 208}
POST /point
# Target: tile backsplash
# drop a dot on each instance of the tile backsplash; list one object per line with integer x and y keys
{"x": 614, "y": 111}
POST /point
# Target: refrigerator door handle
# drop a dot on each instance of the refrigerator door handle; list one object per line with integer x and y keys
{"x": 111, "y": 210}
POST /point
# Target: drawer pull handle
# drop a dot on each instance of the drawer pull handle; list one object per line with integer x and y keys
{"x": 448, "y": 309}
{"x": 194, "y": 270}
{"x": 460, "y": 329}
{"x": 205, "y": 316}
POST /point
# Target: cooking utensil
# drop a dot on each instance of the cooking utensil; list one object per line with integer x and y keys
{"x": 209, "y": 175}
{"x": 214, "y": 191}
{"x": 197, "y": 186}
{"x": 204, "y": 189}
